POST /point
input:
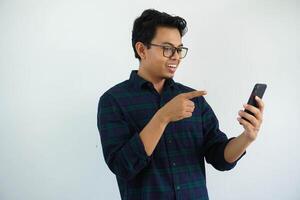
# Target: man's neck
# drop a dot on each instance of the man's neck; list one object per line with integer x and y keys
{"x": 157, "y": 83}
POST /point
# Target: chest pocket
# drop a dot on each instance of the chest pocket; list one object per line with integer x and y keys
{"x": 188, "y": 132}
{"x": 139, "y": 115}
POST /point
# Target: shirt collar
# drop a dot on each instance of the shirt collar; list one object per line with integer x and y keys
{"x": 139, "y": 81}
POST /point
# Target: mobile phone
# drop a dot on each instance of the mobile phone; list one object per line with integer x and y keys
{"x": 258, "y": 90}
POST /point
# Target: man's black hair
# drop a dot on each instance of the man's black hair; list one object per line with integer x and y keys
{"x": 144, "y": 27}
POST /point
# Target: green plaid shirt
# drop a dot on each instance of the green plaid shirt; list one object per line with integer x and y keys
{"x": 176, "y": 169}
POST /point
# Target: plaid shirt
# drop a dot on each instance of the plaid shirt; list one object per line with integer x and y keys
{"x": 176, "y": 169}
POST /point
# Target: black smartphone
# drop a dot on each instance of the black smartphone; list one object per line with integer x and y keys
{"x": 258, "y": 90}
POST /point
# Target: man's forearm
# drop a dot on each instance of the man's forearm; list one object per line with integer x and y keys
{"x": 152, "y": 132}
{"x": 236, "y": 147}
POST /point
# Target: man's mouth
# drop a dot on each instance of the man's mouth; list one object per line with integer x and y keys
{"x": 172, "y": 68}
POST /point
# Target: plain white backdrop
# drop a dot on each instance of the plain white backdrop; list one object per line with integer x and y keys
{"x": 58, "y": 57}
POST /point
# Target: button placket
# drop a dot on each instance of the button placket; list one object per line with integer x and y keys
{"x": 169, "y": 142}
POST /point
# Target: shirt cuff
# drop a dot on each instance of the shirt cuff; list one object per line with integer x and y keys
{"x": 138, "y": 148}
{"x": 227, "y": 165}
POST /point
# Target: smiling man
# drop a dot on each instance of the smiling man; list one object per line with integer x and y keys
{"x": 156, "y": 133}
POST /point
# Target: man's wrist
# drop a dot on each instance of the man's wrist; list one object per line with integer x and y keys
{"x": 161, "y": 117}
{"x": 246, "y": 138}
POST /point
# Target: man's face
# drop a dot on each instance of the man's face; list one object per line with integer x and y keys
{"x": 156, "y": 64}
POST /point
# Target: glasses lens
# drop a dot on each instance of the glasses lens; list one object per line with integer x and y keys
{"x": 182, "y": 52}
{"x": 168, "y": 51}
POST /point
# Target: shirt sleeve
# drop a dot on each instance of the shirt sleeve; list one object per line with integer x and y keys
{"x": 215, "y": 140}
{"x": 122, "y": 147}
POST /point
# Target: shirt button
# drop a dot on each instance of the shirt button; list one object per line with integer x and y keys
{"x": 170, "y": 141}
{"x": 174, "y": 164}
{"x": 178, "y": 187}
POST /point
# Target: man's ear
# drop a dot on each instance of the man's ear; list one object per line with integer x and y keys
{"x": 140, "y": 49}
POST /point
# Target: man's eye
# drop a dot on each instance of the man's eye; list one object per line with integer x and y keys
{"x": 168, "y": 48}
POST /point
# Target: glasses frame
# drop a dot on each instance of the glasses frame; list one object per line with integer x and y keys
{"x": 174, "y": 49}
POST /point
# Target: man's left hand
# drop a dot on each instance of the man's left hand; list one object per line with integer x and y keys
{"x": 254, "y": 122}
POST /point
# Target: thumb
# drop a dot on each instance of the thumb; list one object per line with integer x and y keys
{"x": 193, "y": 94}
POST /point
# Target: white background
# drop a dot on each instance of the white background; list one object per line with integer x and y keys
{"x": 58, "y": 57}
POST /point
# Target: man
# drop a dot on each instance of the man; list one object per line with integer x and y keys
{"x": 155, "y": 132}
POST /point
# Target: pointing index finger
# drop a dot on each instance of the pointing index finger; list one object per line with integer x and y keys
{"x": 193, "y": 94}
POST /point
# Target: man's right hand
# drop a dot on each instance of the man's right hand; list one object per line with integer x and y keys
{"x": 180, "y": 107}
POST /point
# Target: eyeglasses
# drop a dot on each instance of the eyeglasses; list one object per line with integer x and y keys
{"x": 169, "y": 51}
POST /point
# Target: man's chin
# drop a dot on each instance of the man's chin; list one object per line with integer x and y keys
{"x": 169, "y": 75}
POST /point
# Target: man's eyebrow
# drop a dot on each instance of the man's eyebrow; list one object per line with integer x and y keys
{"x": 181, "y": 45}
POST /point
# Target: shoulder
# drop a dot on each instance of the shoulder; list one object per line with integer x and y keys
{"x": 114, "y": 92}
{"x": 183, "y": 89}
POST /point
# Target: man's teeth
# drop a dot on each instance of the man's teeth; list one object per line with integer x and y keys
{"x": 173, "y": 66}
